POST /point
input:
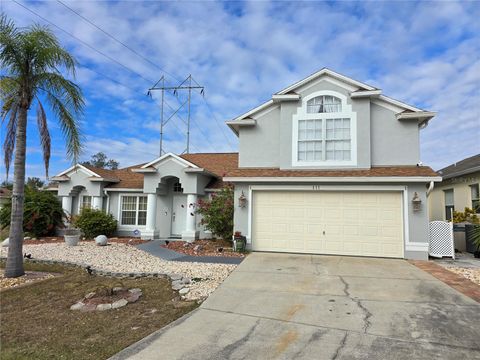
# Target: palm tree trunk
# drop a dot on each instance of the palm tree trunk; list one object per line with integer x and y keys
{"x": 14, "y": 267}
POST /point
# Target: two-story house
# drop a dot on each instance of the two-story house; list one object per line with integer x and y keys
{"x": 329, "y": 165}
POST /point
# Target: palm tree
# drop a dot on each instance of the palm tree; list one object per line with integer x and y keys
{"x": 31, "y": 60}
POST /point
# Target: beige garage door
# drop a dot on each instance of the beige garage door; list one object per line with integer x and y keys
{"x": 341, "y": 223}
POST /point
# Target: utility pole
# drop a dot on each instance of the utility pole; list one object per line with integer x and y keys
{"x": 184, "y": 85}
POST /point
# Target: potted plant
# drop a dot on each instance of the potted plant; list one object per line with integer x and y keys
{"x": 72, "y": 236}
{"x": 473, "y": 235}
{"x": 239, "y": 241}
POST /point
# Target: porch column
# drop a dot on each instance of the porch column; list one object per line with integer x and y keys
{"x": 97, "y": 202}
{"x": 67, "y": 205}
{"x": 190, "y": 233}
{"x": 150, "y": 230}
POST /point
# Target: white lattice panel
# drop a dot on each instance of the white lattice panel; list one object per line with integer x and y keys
{"x": 441, "y": 239}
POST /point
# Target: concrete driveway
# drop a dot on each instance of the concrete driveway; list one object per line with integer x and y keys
{"x": 282, "y": 306}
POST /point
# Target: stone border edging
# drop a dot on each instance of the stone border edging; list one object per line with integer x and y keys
{"x": 100, "y": 272}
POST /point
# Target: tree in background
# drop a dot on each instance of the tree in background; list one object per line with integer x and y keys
{"x": 31, "y": 59}
{"x": 100, "y": 160}
{"x": 35, "y": 183}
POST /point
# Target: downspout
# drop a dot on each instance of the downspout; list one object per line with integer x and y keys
{"x": 107, "y": 208}
{"x": 430, "y": 188}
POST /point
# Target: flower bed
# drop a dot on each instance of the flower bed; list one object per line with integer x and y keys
{"x": 203, "y": 248}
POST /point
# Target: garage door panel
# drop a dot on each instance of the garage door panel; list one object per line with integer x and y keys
{"x": 355, "y": 223}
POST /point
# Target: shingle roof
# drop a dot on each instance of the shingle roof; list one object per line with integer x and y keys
{"x": 380, "y": 171}
{"x": 126, "y": 177}
{"x": 463, "y": 167}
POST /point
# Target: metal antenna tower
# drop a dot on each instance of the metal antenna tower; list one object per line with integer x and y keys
{"x": 188, "y": 85}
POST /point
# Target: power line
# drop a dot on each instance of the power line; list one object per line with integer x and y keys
{"x": 218, "y": 123}
{"x": 83, "y": 42}
{"x": 117, "y": 40}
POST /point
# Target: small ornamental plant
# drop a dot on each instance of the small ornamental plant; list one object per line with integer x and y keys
{"x": 217, "y": 213}
{"x": 94, "y": 222}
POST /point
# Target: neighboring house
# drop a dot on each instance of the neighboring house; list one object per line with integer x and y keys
{"x": 327, "y": 166}
{"x": 5, "y": 195}
{"x": 458, "y": 190}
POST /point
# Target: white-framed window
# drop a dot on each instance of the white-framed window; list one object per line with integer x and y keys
{"x": 475, "y": 192}
{"x": 177, "y": 187}
{"x": 449, "y": 204}
{"x": 324, "y": 131}
{"x": 86, "y": 202}
{"x": 133, "y": 210}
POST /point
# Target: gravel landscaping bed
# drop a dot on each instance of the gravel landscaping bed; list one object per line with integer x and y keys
{"x": 203, "y": 248}
{"x": 118, "y": 257}
{"x": 471, "y": 274}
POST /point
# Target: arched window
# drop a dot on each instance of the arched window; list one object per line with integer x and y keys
{"x": 324, "y": 104}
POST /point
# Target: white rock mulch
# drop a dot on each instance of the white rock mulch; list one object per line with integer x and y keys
{"x": 472, "y": 274}
{"x": 124, "y": 258}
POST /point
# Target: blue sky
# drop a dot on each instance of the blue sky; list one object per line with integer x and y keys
{"x": 424, "y": 53}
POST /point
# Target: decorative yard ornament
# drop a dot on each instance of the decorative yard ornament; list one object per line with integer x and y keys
{"x": 417, "y": 202}
{"x": 242, "y": 200}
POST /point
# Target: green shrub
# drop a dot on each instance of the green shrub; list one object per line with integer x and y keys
{"x": 468, "y": 215}
{"x": 94, "y": 222}
{"x": 41, "y": 215}
{"x": 217, "y": 213}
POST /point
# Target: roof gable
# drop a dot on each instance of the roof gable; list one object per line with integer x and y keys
{"x": 166, "y": 157}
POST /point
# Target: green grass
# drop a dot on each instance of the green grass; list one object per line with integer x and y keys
{"x": 36, "y": 322}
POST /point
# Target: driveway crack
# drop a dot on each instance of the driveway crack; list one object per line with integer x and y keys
{"x": 340, "y": 346}
{"x": 366, "y": 313}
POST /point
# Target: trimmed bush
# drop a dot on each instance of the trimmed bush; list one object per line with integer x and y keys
{"x": 217, "y": 213}
{"x": 94, "y": 222}
{"x": 41, "y": 215}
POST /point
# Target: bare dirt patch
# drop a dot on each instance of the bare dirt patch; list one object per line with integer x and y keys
{"x": 204, "y": 248}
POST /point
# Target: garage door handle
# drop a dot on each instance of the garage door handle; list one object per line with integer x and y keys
{"x": 323, "y": 232}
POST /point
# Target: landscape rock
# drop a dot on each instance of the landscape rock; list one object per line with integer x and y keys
{"x": 177, "y": 286}
{"x": 119, "y": 303}
{"x": 136, "y": 291}
{"x": 102, "y": 307}
{"x": 117, "y": 289}
{"x": 90, "y": 295}
{"x": 186, "y": 280}
{"x": 184, "y": 291}
{"x": 197, "y": 248}
{"x": 6, "y": 242}
{"x": 27, "y": 238}
{"x": 175, "y": 277}
{"x": 77, "y": 306}
{"x": 101, "y": 240}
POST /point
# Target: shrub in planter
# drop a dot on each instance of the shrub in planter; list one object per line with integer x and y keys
{"x": 94, "y": 222}
{"x": 217, "y": 213}
{"x": 41, "y": 215}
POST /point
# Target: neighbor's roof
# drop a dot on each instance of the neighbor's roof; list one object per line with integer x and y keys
{"x": 5, "y": 193}
{"x": 463, "y": 167}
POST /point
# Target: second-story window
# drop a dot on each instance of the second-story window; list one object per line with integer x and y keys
{"x": 324, "y": 132}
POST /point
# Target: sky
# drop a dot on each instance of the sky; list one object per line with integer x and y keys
{"x": 426, "y": 54}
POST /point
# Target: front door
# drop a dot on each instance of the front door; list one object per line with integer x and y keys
{"x": 179, "y": 214}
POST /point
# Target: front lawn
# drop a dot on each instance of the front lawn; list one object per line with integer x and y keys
{"x": 37, "y": 323}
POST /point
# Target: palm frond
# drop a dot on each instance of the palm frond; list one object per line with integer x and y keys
{"x": 44, "y": 135}
{"x": 69, "y": 126}
{"x": 9, "y": 143}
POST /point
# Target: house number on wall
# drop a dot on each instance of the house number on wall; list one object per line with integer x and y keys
{"x": 316, "y": 187}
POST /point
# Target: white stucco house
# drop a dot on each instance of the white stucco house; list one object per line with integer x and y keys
{"x": 329, "y": 165}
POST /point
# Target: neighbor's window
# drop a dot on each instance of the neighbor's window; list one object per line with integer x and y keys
{"x": 86, "y": 202}
{"x": 134, "y": 210}
{"x": 324, "y": 104}
{"x": 475, "y": 191}
{"x": 449, "y": 208}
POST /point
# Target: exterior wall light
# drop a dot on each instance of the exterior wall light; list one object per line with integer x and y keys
{"x": 417, "y": 202}
{"x": 242, "y": 200}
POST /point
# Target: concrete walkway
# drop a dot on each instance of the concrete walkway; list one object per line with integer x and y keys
{"x": 281, "y": 306}
{"x": 153, "y": 247}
